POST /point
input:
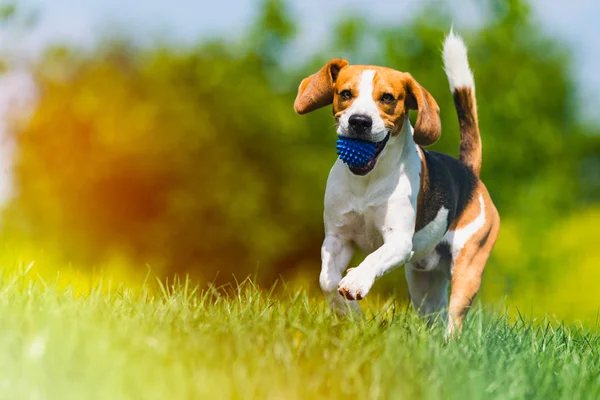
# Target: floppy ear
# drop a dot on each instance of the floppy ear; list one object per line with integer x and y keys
{"x": 428, "y": 127}
{"x": 316, "y": 91}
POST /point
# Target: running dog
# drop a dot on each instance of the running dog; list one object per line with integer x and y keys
{"x": 406, "y": 205}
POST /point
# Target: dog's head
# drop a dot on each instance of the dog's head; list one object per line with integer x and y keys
{"x": 370, "y": 103}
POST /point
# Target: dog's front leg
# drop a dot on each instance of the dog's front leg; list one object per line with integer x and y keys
{"x": 336, "y": 254}
{"x": 396, "y": 251}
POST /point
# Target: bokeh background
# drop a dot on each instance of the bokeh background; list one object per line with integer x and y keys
{"x": 159, "y": 138}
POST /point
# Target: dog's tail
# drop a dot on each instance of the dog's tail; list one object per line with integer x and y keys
{"x": 462, "y": 87}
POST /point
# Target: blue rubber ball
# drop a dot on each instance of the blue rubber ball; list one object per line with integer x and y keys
{"x": 355, "y": 152}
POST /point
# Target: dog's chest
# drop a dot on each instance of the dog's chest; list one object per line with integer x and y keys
{"x": 364, "y": 212}
{"x": 361, "y": 228}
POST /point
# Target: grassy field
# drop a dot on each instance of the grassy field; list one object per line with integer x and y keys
{"x": 174, "y": 342}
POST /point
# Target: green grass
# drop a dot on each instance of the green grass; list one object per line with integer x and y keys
{"x": 181, "y": 343}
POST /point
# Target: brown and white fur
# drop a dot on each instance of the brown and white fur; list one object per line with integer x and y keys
{"x": 412, "y": 207}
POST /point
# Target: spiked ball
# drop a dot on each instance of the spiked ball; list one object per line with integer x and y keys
{"x": 355, "y": 152}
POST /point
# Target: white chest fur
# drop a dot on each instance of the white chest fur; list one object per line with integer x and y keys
{"x": 368, "y": 209}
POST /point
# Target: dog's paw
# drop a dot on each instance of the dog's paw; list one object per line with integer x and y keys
{"x": 356, "y": 284}
{"x": 342, "y": 307}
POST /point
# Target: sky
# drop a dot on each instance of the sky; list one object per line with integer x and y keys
{"x": 81, "y": 22}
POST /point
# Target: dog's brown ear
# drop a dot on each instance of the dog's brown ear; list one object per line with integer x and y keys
{"x": 428, "y": 127}
{"x": 316, "y": 91}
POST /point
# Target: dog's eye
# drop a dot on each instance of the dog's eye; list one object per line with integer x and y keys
{"x": 386, "y": 98}
{"x": 346, "y": 94}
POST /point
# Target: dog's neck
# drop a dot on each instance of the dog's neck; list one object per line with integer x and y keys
{"x": 398, "y": 150}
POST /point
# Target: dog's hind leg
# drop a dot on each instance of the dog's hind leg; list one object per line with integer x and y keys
{"x": 467, "y": 267}
{"x": 336, "y": 254}
{"x": 428, "y": 292}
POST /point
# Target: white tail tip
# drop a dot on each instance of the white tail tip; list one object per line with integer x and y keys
{"x": 456, "y": 63}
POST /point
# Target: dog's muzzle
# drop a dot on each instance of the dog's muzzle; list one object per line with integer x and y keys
{"x": 360, "y": 124}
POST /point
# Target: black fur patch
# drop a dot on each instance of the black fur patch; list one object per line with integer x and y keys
{"x": 451, "y": 185}
{"x": 443, "y": 250}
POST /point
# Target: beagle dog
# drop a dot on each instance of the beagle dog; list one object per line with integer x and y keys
{"x": 406, "y": 206}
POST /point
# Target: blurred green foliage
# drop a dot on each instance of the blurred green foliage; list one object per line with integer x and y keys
{"x": 191, "y": 160}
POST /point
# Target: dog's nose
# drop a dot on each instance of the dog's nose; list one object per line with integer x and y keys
{"x": 360, "y": 123}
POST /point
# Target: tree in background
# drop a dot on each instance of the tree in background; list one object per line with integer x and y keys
{"x": 193, "y": 161}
